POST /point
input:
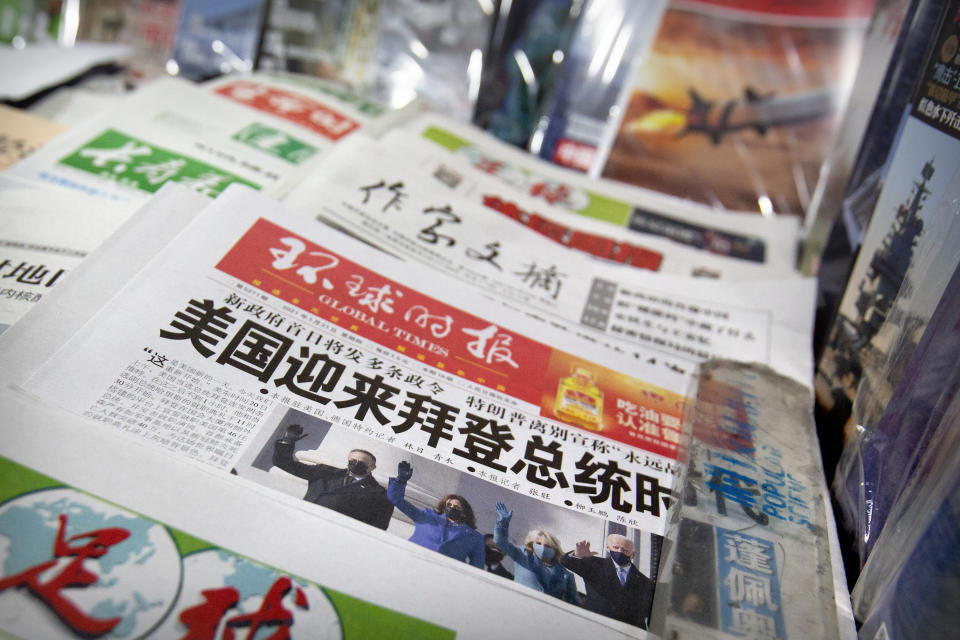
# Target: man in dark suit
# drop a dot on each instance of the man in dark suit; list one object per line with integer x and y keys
{"x": 615, "y": 587}
{"x": 352, "y": 491}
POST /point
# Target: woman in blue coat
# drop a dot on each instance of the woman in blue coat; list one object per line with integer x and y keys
{"x": 449, "y": 528}
{"x": 537, "y": 563}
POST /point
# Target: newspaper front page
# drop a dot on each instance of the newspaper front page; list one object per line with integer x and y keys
{"x": 144, "y": 578}
{"x": 670, "y": 322}
{"x": 703, "y": 244}
{"x": 257, "y": 342}
{"x": 743, "y": 237}
{"x": 252, "y": 130}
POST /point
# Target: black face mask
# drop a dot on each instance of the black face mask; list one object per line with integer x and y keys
{"x": 493, "y": 556}
{"x": 455, "y": 514}
{"x": 357, "y": 467}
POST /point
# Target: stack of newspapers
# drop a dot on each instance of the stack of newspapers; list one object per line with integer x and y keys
{"x": 277, "y": 360}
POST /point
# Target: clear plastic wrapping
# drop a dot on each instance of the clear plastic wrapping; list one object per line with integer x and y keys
{"x": 579, "y": 116}
{"x": 433, "y": 50}
{"x": 216, "y": 37}
{"x": 885, "y": 455}
{"x": 395, "y": 52}
{"x": 888, "y": 371}
{"x": 307, "y": 37}
{"x": 910, "y": 584}
{"x": 737, "y": 103}
{"x": 527, "y": 46}
{"x": 749, "y": 550}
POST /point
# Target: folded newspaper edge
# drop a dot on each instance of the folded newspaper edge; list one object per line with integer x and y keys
{"x": 750, "y": 546}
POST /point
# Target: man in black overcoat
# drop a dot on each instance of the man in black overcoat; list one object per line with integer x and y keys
{"x": 615, "y": 587}
{"x": 352, "y": 491}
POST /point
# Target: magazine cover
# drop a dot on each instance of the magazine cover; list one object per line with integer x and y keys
{"x": 837, "y": 220}
{"x": 907, "y": 258}
{"x": 886, "y": 386}
{"x": 737, "y": 103}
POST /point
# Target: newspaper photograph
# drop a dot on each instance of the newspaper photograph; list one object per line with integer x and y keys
{"x": 248, "y": 333}
{"x": 669, "y": 322}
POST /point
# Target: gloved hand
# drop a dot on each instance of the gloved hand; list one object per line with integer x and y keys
{"x": 404, "y": 471}
{"x": 503, "y": 515}
{"x": 293, "y": 432}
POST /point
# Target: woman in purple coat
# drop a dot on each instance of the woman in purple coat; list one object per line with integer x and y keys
{"x": 449, "y": 528}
